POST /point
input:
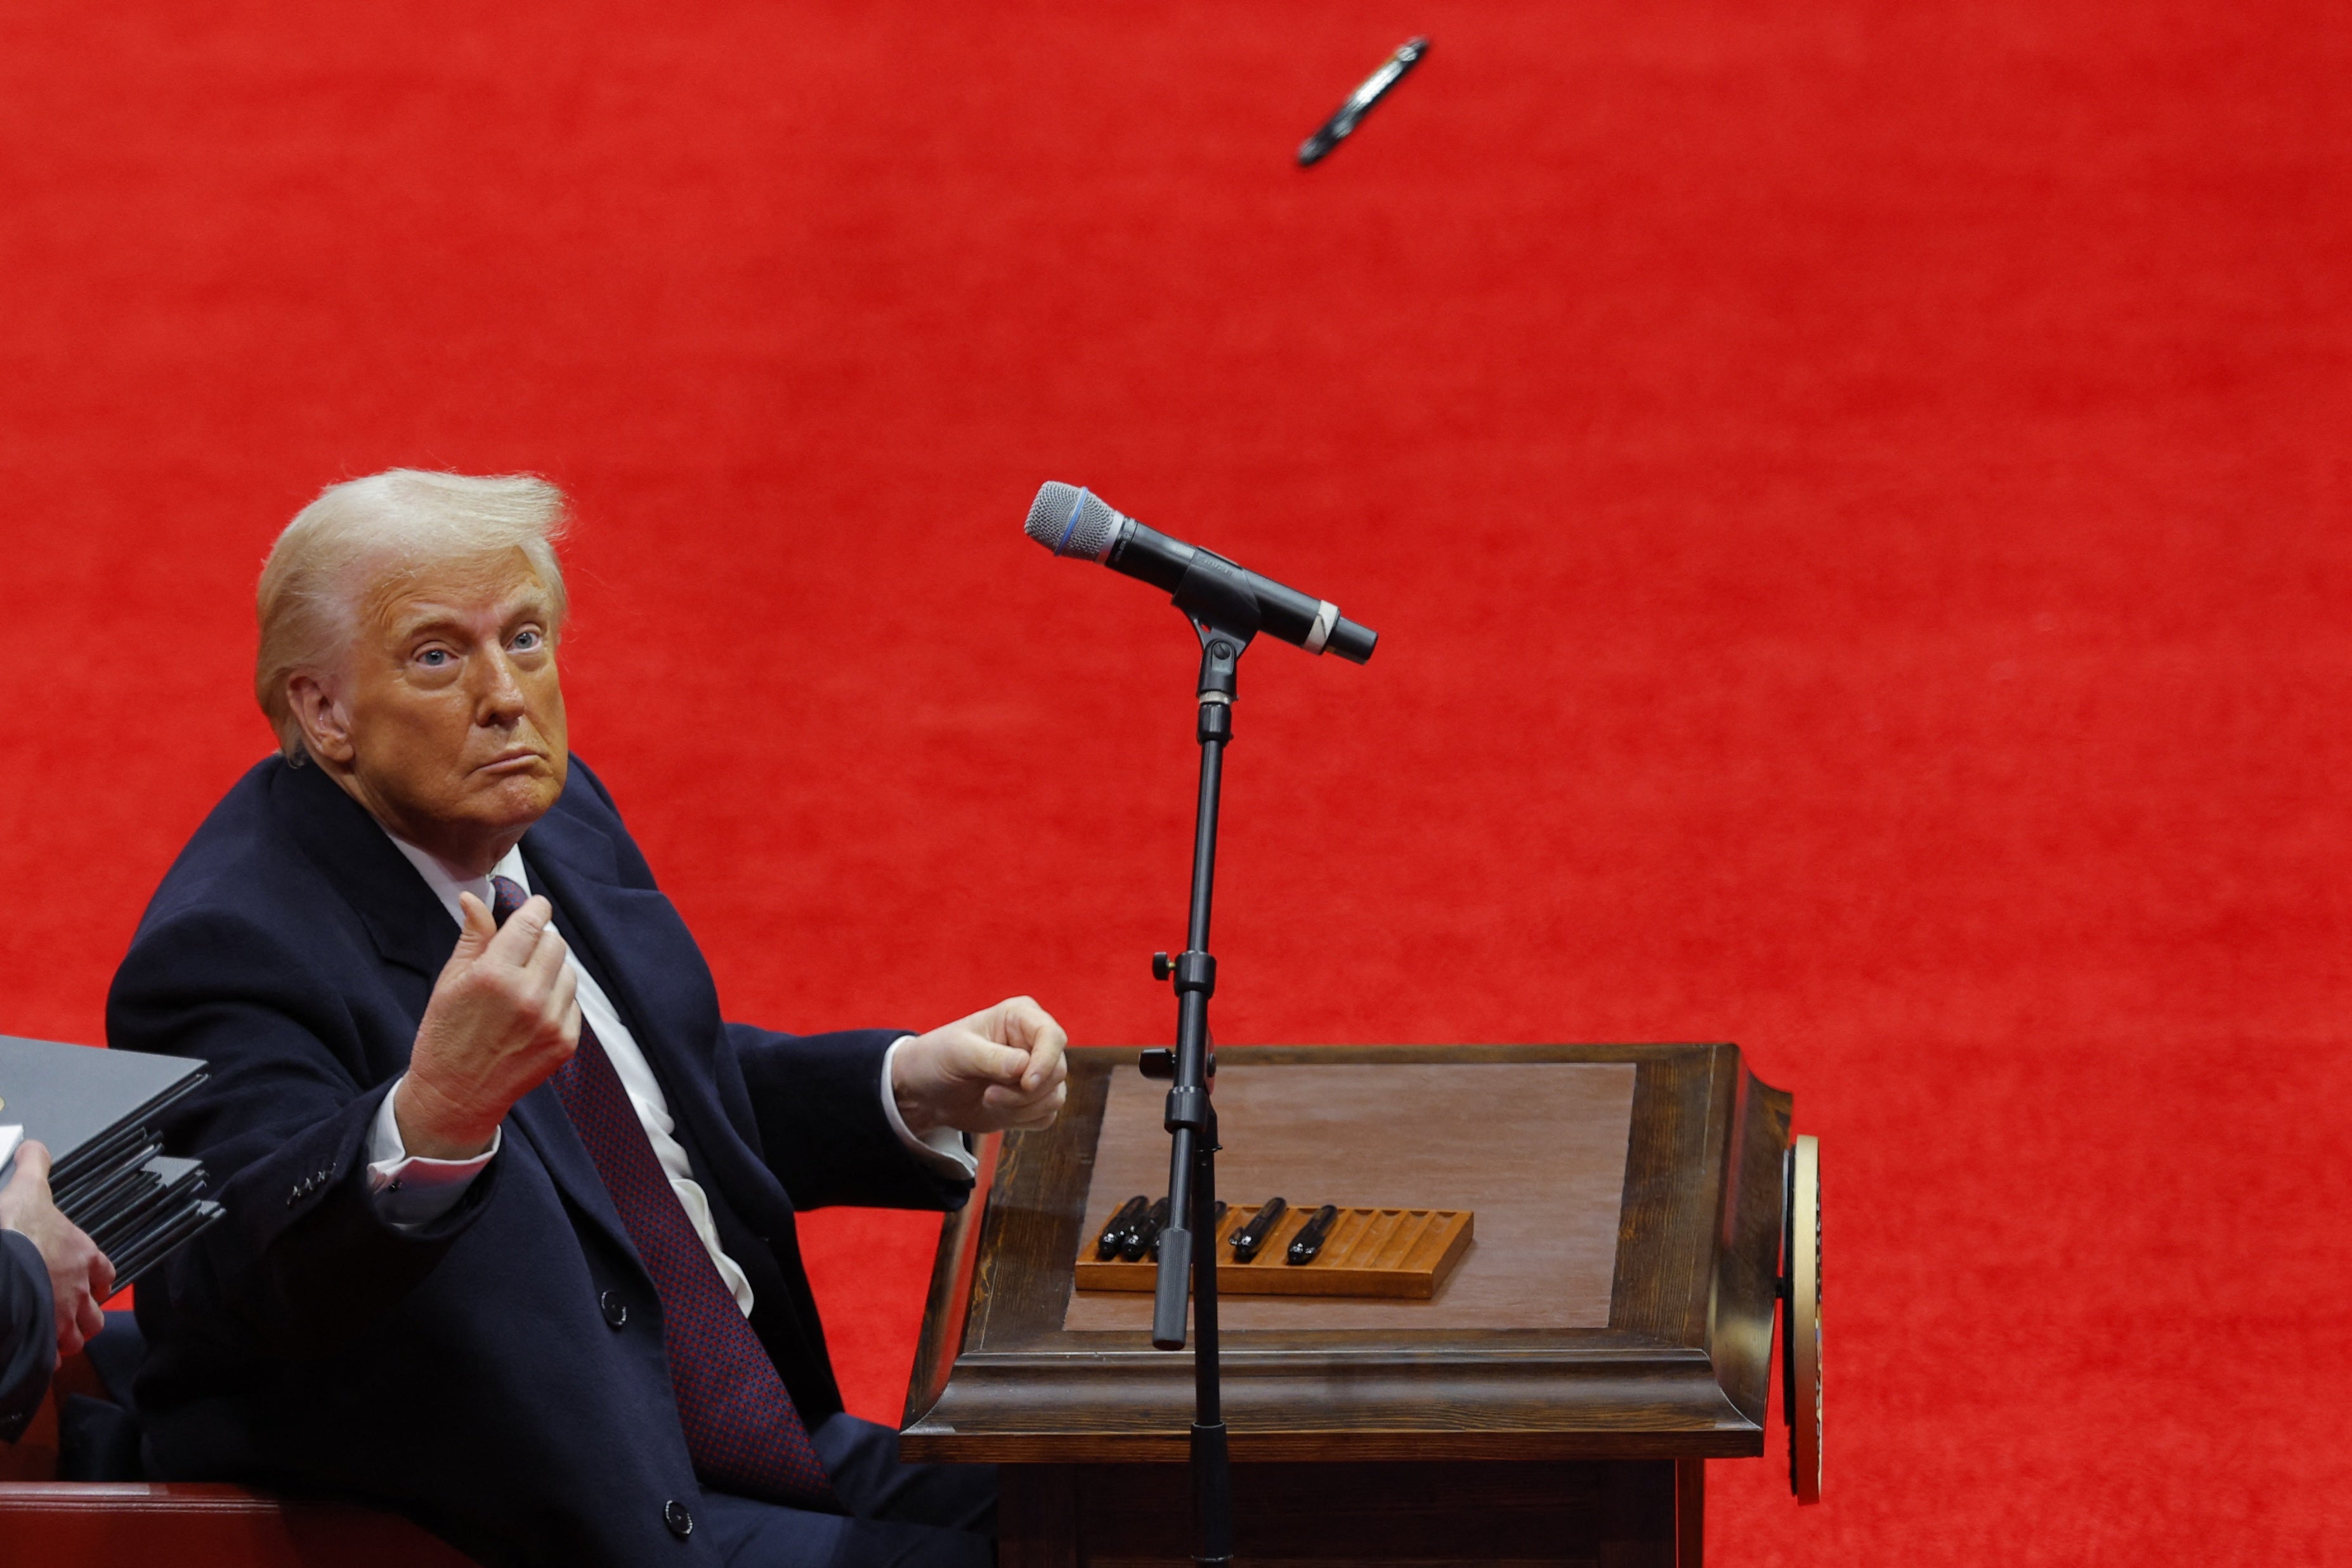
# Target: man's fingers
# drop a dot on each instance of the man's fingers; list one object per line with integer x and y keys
{"x": 962, "y": 1052}
{"x": 1024, "y": 1024}
{"x": 102, "y": 1275}
{"x": 90, "y": 1320}
{"x": 1047, "y": 1066}
{"x": 545, "y": 965}
{"x": 1019, "y": 1102}
{"x": 32, "y": 1163}
{"x": 1018, "y": 1020}
{"x": 519, "y": 938}
{"x": 563, "y": 1006}
{"x": 1001, "y": 1064}
{"x": 1035, "y": 1115}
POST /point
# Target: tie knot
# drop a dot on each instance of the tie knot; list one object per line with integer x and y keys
{"x": 506, "y": 897}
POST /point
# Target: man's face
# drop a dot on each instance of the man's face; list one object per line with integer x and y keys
{"x": 452, "y": 716}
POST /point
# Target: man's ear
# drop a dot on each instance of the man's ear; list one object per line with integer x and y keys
{"x": 326, "y": 728}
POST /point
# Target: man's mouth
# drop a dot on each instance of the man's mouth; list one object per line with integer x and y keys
{"x": 514, "y": 760}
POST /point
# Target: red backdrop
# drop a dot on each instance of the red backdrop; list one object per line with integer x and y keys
{"x": 1854, "y": 497}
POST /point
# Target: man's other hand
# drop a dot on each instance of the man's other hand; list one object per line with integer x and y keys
{"x": 996, "y": 1069}
{"x": 79, "y": 1275}
{"x": 505, "y": 1015}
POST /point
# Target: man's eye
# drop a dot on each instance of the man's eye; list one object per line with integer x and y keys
{"x": 434, "y": 657}
{"x": 526, "y": 640}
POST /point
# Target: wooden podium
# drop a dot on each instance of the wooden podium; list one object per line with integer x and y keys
{"x": 1608, "y": 1332}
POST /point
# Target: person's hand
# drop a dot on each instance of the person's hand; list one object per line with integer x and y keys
{"x": 80, "y": 1277}
{"x": 996, "y": 1069}
{"x": 505, "y": 1015}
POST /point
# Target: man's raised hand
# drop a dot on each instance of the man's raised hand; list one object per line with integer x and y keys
{"x": 999, "y": 1069}
{"x": 505, "y": 1015}
{"x": 80, "y": 1277}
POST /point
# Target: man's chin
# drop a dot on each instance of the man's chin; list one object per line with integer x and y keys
{"x": 516, "y": 799}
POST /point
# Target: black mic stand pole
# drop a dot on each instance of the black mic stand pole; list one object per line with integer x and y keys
{"x": 1225, "y": 620}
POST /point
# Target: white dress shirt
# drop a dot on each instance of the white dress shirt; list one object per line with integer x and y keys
{"x": 411, "y": 1190}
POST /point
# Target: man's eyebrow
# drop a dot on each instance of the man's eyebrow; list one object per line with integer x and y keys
{"x": 429, "y": 617}
{"x": 426, "y": 619}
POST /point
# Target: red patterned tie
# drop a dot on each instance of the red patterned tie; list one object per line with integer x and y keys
{"x": 741, "y": 1425}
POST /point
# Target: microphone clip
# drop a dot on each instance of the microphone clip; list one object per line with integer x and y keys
{"x": 1216, "y": 597}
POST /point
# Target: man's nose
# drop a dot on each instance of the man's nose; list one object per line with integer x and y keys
{"x": 497, "y": 694}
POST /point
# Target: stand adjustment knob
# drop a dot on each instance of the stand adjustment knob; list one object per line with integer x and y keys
{"x": 1160, "y": 968}
{"x": 1159, "y": 1062}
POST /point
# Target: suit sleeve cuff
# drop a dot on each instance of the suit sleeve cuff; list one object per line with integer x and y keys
{"x": 943, "y": 1149}
{"x": 410, "y": 1190}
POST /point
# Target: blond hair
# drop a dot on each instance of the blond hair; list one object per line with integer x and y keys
{"x": 360, "y": 532}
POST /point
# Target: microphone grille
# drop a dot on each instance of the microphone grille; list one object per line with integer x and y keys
{"x": 1069, "y": 519}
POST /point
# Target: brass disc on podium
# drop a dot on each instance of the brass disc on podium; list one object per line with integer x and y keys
{"x": 1800, "y": 1335}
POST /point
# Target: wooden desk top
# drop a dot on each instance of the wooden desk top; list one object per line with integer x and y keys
{"x": 1617, "y": 1303}
{"x": 1401, "y": 1135}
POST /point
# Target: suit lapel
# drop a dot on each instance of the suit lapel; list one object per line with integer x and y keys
{"x": 644, "y": 958}
{"x": 404, "y": 919}
{"x": 640, "y": 952}
{"x": 540, "y": 1118}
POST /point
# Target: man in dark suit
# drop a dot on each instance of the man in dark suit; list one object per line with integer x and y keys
{"x": 509, "y": 1242}
{"x": 52, "y": 1280}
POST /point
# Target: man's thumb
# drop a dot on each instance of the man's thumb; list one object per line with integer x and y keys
{"x": 32, "y": 1163}
{"x": 480, "y": 927}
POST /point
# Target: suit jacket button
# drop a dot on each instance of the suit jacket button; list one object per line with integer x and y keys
{"x": 680, "y": 1523}
{"x": 616, "y": 1311}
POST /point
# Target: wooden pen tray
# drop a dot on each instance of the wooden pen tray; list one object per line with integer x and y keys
{"x": 1403, "y": 1254}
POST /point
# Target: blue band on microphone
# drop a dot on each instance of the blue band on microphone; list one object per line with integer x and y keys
{"x": 1074, "y": 521}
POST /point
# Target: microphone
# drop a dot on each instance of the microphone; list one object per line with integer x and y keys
{"x": 1070, "y": 519}
{"x": 1336, "y": 129}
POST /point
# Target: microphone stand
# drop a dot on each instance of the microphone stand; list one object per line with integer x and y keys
{"x": 1225, "y": 618}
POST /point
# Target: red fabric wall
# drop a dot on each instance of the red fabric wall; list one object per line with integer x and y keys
{"x": 1854, "y": 497}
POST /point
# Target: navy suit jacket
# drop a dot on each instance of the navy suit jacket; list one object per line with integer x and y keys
{"x": 498, "y": 1373}
{"x": 28, "y": 1332}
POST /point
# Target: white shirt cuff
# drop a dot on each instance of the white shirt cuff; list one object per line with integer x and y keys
{"x": 943, "y": 1149}
{"x": 410, "y": 1190}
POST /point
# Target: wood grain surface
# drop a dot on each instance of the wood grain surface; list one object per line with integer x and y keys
{"x": 1538, "y": 1149}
